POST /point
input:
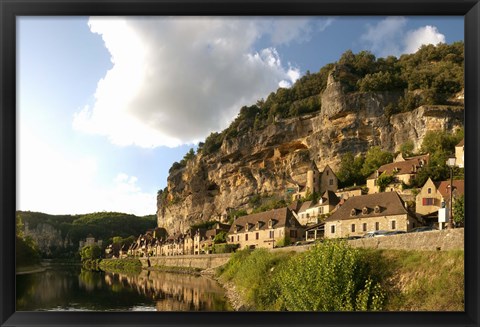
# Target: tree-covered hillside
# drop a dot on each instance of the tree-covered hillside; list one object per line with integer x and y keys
{"x": 73, "y": 228}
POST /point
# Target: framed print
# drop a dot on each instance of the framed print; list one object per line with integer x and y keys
{"x": 256, "y": 163}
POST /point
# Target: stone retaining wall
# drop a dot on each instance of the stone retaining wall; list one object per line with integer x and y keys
{"x": 203, "y": 261}
{"x": 432, "y": 240}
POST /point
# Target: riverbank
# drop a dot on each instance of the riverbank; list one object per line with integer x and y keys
{"x": 22, "y": 270}
{"x": 399, "y": 280}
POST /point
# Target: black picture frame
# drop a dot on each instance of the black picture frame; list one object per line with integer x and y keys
{"x": 10, "y": 9}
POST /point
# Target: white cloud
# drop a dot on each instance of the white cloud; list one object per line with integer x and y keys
{"x": 390, "y": 37}
{"x": 174, "y": 80}
{"x": 53, "y": 182}
{"x": 424, "y": 35}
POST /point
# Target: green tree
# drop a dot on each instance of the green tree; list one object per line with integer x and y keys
{"x": 90, "y": 252}
{"x": 375, "y": 158}
{"x": 407, "y": 148}
{"x": 220, "y": 238}
{"x": 349, "y": 170}
{"x": 383, "y": 180}
{"x": 459, "y": 210}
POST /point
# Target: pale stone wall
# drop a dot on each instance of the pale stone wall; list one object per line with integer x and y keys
{"x": 264, "y": 239}
{"x": 459, "y": 154}
{"x": 194, "y": 261}
{"x": 343, "y": 228}
{"x": 328, "y": 180}
{"x": 444, "y": 240}
{"x": 437, "y": 202}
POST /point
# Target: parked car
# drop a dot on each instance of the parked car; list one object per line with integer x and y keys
{"x": 376, "y": 233}
{"x": 396, "y": 232}
{"x": 422, "y": 229}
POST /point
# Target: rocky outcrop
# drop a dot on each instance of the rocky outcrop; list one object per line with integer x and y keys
{"x": 270, "y": 160}
{"x": 47, "y": 237}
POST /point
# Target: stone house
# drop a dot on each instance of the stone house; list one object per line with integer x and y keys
{"x": 206, "y": 245}
{"x": 361, "y": 214}
{"x": 265, "y": 229}
{"x": 402, "y": 169}
{"x": 316, "y": 182}
{"x": 197, "y": 240}
{"x": 436, "y": 195}
{"x": 460, "y": 154}
{"x": 90, "y": 240}
{"x": 310, "y": 212}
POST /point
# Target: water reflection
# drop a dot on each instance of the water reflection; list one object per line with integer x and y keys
{"x": 72, "y": 288}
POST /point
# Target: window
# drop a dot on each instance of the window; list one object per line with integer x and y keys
{"x": 365, "y": 210}
{"x": 427, "y": 201}
{"x": 246, "y": 227}
{"x": 353, "y": 212}
{"x": 332, "y": 229}
{"x": 377, "y": 225}
{"x": 246, "y": 237}
{"x": 394, "y": 224}
{"x": 272, "y": 234}
{"x": 376, "y": 209}
{"x": 429, "y": 191}
{"x": 256, "y": 236}
{"x": 270, "y": 223}
{"x": 257, "y": 226}
{"x": 293, "y": 233}
{"x": 327, "y": 172}
{"x": 308, "y": 215}
{"x": 238, "y": 238}
{"x": 353, "y": 228}
{"x": 231, "y": 239}
{"x": 364, "y": 227}
{"x": 331, "y": 181}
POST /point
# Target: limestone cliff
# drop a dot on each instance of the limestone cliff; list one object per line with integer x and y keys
{"x": 269, "y": 160}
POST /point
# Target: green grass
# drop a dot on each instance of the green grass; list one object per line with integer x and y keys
{"x": 121, "y": 265}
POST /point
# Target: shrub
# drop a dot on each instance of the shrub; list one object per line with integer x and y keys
{"x": 329, "y": 277}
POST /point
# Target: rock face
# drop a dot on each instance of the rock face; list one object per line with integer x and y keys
{"x": 270, "y": 160}
{"x": 46, "y": 237}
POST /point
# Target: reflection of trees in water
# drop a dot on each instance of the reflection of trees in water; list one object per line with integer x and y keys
{"x": 46, "y": 287}
{"x": 174, "y": 292}
{"x": 64, "y": 288}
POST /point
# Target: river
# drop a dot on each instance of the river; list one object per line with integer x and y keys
{"x": 71, "y": 288}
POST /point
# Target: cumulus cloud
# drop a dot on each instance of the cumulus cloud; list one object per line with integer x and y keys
{"x": 175, "y": 80}
{"x": 390, "y": 37}
{"x": 54, "y": 182}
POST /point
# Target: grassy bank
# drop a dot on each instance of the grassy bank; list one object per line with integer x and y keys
{"x": 335, "y": 277}
{"x": 121, "y": 265}
{"x": 177, "y": 270}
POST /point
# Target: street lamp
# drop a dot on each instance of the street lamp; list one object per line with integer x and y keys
{"x": 451, "y": 164}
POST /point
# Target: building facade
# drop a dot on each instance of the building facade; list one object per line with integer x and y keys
{"x": 361, "y": 214}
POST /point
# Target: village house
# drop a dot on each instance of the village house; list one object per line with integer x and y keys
{"x": 90, "y": 240}
{"x": 348, "y": 193}
{"x": 436, "y": 195}
{"x": 265, "y": 229}
{"x": 316, "y": 182}
{"x": 361, "y": 214}
{"x": 315, "y": 232}
{"x": 460, "y": 154}
{"x": 206, "y": 245}
{"x": 311, "y": 212}
{"x": 188, "y": 243}
{"x": 197, "y": 240}
{"x": 402, "y": 169}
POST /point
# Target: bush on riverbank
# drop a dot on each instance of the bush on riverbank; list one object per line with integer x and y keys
{"x": 332, "y": 276}
{"x": 329, "y": 277}
{"x": 126, "y": 265}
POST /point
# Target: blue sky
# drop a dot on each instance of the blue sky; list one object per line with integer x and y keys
{"x": 106, "y": 105}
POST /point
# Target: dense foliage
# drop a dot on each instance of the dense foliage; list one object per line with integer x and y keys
{"x": 329, "y": 277}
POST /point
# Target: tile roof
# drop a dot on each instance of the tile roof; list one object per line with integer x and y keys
{"x": 408, "y": 166}
{"x": 444, "y": 187}
{"x": 330, "y": 198}
{"x": 388, "y": 203}
{"x": 281, "y": 217}
{"x": 306, "y": 205}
